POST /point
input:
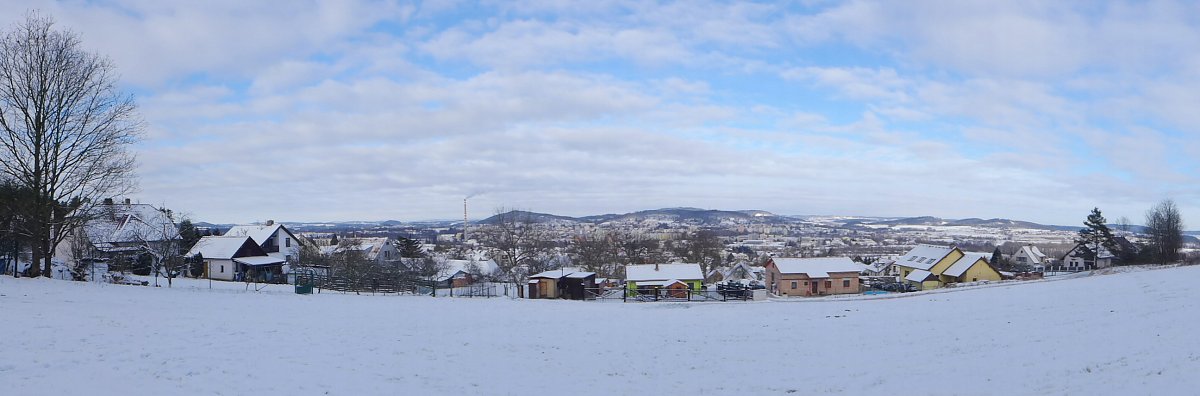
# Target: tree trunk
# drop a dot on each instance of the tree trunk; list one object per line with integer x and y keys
{"x": 36, "y": 257}
{"x": 47, "y": 269}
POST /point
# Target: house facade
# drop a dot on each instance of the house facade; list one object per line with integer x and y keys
{"x": 810, "y": 277}
{"x": 1084, "y": 258}
{"x": 275, "y": 239}
{"x": 236, "y": 258}
{"x": 1030, "y": 255}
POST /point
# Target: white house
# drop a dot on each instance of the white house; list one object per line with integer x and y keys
{"x": 120, "y": 228}
{"x": 1081, "y": 258}
{"x": 380, "y": 249}
{"x": 882, "y": 267}
{"x": 236, "y": 258}
{"x": 1029, "y": 255}
{"x": 275, "y": 239}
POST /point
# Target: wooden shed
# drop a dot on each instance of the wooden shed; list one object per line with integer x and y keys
{"x": 574, "y": 286}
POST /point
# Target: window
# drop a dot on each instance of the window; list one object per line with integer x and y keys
{"x": 974, "y": 279}
{"x": 912, "y": 258}
{"x": 828, "y": 284}
{"x": 287, "y": 242}
{"x": 288, "y": 257}
{"x": 793, "y": 284}
{"x": 845, "y": 283}
{"x": 222, "y": 269}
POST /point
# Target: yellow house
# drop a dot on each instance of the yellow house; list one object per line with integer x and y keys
{"x": 932, "y": 266}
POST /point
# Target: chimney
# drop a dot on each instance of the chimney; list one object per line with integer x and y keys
{"x": 656, "y": 266}
{"x": 270, "y": 222}
{"x": 108, "y": 201}
{"x": 126, "y": 201}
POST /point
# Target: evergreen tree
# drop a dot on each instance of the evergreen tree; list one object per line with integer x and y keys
{"x": 333, "y": 240}
{"x": 1097, "y": 234}
{"x": 409, "y": 248}
{"x": 998, "y": 260}
{"x": 189, "y": 234}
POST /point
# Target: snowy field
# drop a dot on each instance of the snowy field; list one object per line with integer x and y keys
{"x": 1112, "y": 334}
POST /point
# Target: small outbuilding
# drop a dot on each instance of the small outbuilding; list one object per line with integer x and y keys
{"x": 566, "y": 283}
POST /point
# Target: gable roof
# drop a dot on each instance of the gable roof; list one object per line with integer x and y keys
{"x": 124, "y": 223}
{"x": 260, "y": 233}
{"x": 653, "y": 272}
{"x": 372, "y": 246}
{"x": 965, "y": 263}
{"x": 1083, "y": 251}
{"x": 880, "y": 265}
{"x": 455, "y": 266}
{"x": 817, "y": 267}
{"x": 220, "y": 247}
{"x": 918, "y": 275}
{"x": 1035, "y": 255}
{"x": 924, "y": 256}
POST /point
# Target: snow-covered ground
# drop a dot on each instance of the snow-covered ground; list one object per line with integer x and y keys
{"x": 1113, "y": 334}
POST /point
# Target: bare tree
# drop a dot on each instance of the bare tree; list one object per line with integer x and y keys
{"x": 596, "y": 252}
{"x": 1164, "y": 225}
{"x": 65, "y": 128}
{"x": 637, "y": 249}
{"x": 81, "y": 252}
{"x": 350, "y": 262}
{"x": 518, "y": 244}
{"x": 701, "y": 247}
{"x": 158, "y": 239}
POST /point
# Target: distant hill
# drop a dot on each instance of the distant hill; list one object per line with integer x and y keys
{"x": 692, "y": 215}
{"x": 532, "y": 216}
{"x": 971, "y": 222}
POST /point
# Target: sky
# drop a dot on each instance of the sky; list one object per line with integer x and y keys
{"x": 330, "y": 111}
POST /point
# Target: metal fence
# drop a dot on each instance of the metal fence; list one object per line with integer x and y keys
{"x": 376, "y": 285}
{"x": 666, "y": 295}
{"x": 482, "y": 289}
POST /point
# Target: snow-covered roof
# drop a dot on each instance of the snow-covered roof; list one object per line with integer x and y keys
{"x": 124, "y": 223}
{"x": 965, "y": 263}
{"x": 652, "y": 272}
{"x": 258, "y": 260}
{"x": 551, "y": 274}
{"x": 580, "y": 274}
{"x": 455, "y": 266}
{"x": 566, "y": 272}
{"x": 1035, "y": 256}
{"x": 371, "y": 246}
{"x": 260, "y": 233}
{"x": 880, "y": 265}
{"x": 1084, "y": 251}
{"x": 918, "y": 275}
{"x": 816, "y": 267}
{"x": 662, "y": 283}
{"x": 924, "y": 256}
{"x": 217, "y": 247}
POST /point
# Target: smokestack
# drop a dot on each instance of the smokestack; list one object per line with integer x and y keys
{"x": 465, "y": 219}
